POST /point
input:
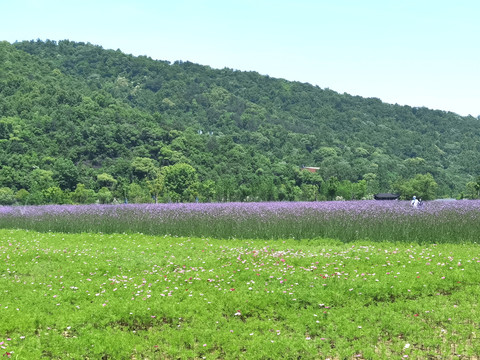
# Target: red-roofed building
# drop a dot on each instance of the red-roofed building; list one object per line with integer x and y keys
{"x": 311, "y": 169}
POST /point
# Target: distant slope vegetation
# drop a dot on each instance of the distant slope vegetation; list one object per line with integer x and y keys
{"x": 75, "y": 110}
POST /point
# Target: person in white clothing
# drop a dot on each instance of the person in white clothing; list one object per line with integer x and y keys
{"x": 414, "y": 202}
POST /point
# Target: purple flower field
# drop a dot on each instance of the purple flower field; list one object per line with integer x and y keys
{"x": 435, "y": 222}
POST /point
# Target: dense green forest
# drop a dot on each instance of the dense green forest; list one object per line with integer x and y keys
{"x": 80, "y": 124}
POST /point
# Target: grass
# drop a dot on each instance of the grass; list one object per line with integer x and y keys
{"x": 134, "y": 296}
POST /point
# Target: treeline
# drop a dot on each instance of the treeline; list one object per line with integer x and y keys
{"x": 180, "y": 183}
{"x": 74, "y": 114}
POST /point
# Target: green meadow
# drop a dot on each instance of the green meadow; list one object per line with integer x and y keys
{"x": 134, "y": 296}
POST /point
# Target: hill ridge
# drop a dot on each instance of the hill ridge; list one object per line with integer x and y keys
{"x": 98, "y": 110}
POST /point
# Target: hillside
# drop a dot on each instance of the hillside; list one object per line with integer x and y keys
{"x": 70, "y": 112}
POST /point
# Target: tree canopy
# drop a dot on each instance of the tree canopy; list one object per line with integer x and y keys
{"x": 74, "y": 113}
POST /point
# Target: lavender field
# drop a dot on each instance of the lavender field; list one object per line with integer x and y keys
{"x": 435, "y": 222}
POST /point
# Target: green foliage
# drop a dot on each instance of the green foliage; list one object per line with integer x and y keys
{"x": 6, "y": 128}
{"x": 104, "y": 196}
{"x": 79, "y": 112}
{"x": 137, "y": 194}
{"x": 82, "y": 195}
{"x": 41, "y": 179}
{"x": 473, "y": 189}
{"x": 332, "y": 188}
{"x": 21, "y": 196}
{"x": 7, "y": 196}
{"x": 65, "y": 174}
{"x": 54, "y": 195}
{"x": 422, "y": 186}
{"x": 352, "y": 191}
{"x": 180, "y": 182}
{"x": 309, "y": 192}
{"x": 8, "y": 176}
{"x": 207, "y": 190}
{"x": 156, "y": 186}
{"x": 106, "y": 180}
{"x": 144, "y": 168}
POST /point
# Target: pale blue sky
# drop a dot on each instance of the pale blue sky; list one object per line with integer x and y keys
{"x": 410, "y": 52}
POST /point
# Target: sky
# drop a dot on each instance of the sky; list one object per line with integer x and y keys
{"x": 408, "y": 52}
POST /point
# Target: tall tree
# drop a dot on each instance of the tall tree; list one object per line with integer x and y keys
{"x": 181, "y": 182}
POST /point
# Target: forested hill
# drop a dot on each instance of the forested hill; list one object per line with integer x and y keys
{"x": 75, "y": 113}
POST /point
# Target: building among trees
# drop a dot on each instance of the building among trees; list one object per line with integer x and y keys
{"x": 386, "y": 196}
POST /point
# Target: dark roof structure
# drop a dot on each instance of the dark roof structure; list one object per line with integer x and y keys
{"x": 386, "y": 196}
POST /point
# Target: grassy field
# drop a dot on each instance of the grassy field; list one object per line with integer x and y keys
{"x": 134, "y": 296}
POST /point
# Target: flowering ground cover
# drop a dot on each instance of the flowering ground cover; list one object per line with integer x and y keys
{"x": 435, "y": 222}
{"x": 133, "y": 296}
